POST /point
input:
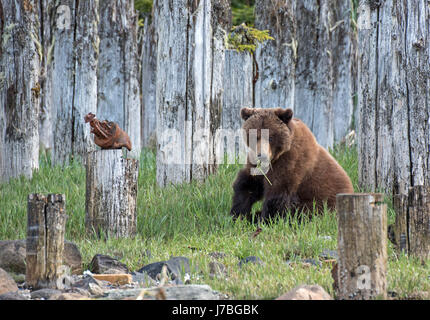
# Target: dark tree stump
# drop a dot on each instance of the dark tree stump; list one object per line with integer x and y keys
{"x": 45, "y": 240}
{"x": 362, "y": 246}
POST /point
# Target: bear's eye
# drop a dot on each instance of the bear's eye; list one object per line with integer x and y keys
{"x": 270, "y": 139}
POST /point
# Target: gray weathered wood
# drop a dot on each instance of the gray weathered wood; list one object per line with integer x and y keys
{"x": 310, "y": 66}
{"x": 190, "y": 61}
{"x": 118, "y": 85}
{"x": 400, "y": 205}
{"x": 237, "y": 93}
{"x": 45, "y": 240}
{"x": 20, "y": 55}
{"x": 419, "y": 222}
{"x": 393, "y": 89}
{"x": 74, "y": 77}
{"x": 46, "y": 10}
{"x": 362, "y": 246}
{"x": 237, "y": 89}
{"x": 149, "y": 72}
{"x": 111, "y": 193}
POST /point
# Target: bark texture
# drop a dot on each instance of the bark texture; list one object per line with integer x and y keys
{"x": 20, "y": 57}
{"x": 118, "y": 86}
{"x": 190, "y": 58}
{"x": 310, "y": 65}
{"x": 111, "y": 193}
{"x": 45, "y": 240}
{"x": 149, "y": 72}
{"x": 74, "y": 77}
{"x": 393, "y": 94}
{"x": 411, "y": 228}
{"x": 362, "y": 246}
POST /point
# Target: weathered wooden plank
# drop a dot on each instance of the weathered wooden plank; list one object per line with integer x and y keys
{"x": 149, "y": 72}
{"x": 367, "y": 88}
{"x": 188, "y": 91}
{"x": 362, "y": 246}
{"x": 276, "y": 59}
{"x": 75, "y": 68}
{"x": 393, "y": 139}
{"x": 310, "y": 65}
{"x": 111, "y": 193}
{"x": 118, "y": 86}
{"x": 20, "y": 56}
{"x": 419, "y": 222}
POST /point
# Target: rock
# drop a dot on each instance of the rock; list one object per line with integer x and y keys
{"x": 143, "y": 279}
{"x": 90, "y": 285}
{"x": 68, "y": 296}
{"x": 12, "y": 256}
{"x": 7, "y": 284}
{"x": 306, "y": 292}
{"x": 44, "y": 293}
{"x": 181, "y": 292}
{"x": 217, "y": 269}
{"x": 12, "y": 296}
{"x": 251, "y": 259}
{"x": 176, "y": 267}
{"x": 329, "y": 254}
{"x": 102, "y": 263}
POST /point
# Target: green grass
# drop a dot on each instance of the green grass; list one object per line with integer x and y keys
{"x": 193, "y": 220}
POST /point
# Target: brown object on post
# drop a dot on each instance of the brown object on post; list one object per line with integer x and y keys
{"x": 45, "y": 240}
{"x": 107, "y": 134}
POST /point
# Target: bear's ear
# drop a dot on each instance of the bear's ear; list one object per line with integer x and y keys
{"x": 245, "y": 113}
{"x": 284, "y": 114}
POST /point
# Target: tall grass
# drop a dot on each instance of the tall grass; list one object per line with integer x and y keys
{"x": 193, "y": 220}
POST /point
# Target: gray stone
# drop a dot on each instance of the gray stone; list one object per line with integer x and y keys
{"x": 329, "y": 254}
{"x": 44, "y": 293}
{"x": 102, "y": 263}
{"x": 7, "y": 284}
{"x": 176, "y": 267}
{"x": 12, "y": 296}
{"x": 251, "y": 259}
{"x": 13, "y": 252}
{"x": 143, "y": 279}
{"x": 180, "y": 292}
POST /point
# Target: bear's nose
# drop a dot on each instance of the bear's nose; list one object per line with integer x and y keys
{"x": 259, "y": 156}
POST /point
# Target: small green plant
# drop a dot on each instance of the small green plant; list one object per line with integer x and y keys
{"x": 244, "y": 38}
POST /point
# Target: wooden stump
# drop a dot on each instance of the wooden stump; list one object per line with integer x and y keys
{"x": 412, "y": 226}
{"x": 45, "y": 240}
{"x": 111, "y": 193}
{"x": 362, "y": 246}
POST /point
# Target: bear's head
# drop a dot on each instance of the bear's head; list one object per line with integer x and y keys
{"x": 270, "y": 144}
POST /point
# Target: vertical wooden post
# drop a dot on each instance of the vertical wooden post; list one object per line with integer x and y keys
{"x": 45, "y": 240}
{"x": 362, "y": 246}
{"x": 111, "y": 193}
{"x": 19, "y": 89}
{"x": 400, "y": 204}
{"x": 190, "y": 59}
{"x": 419, "y": 221}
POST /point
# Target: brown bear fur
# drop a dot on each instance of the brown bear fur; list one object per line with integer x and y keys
{"x": 301, "y": 171}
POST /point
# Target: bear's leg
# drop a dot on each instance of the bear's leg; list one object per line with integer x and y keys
{"x": 279, "y": 205}
{"x": 248, "y": 189}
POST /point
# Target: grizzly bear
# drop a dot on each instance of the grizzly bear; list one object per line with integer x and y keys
{"x": 300, "y": 172}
